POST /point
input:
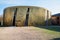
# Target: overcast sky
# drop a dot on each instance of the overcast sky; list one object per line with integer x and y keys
{"x": 52, "y": 5}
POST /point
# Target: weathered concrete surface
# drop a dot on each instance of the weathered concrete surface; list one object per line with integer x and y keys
{"x": 22, "y": 33}
{"x": 37, "y": 16}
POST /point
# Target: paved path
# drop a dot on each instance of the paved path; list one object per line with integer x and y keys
{"x": 21, "y": 33}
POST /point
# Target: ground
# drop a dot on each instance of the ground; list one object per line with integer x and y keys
{"x": 27, "y": 33}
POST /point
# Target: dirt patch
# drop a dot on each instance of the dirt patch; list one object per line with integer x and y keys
{"x": 22, "y": 33}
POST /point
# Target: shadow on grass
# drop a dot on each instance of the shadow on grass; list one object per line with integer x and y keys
{"x": 56, "y": 39}
{"x": 7, "y": 26}
{"x": 53, "y": 28}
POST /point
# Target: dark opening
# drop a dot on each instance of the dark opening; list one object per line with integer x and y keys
{"x": 47, "y": 18}
{"x": 14, "y": 17}
{"x": 27, "y": 17}
{"x": 57, "y": 20}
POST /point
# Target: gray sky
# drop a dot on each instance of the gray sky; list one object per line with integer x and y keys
{"x": 52, "y": 5}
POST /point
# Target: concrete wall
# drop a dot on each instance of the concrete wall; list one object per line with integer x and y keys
{"x": 37, "y": 16}
{"x": 1, "y": 20}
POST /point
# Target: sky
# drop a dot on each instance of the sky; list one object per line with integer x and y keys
{"x": 52, "y": 5}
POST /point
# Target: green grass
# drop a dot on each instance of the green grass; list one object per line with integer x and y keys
{"x": 52, "y": 31}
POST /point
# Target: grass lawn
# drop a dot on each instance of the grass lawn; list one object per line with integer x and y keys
{"x": 51, "y": 30}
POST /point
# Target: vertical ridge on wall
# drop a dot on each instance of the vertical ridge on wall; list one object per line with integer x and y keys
{"x": 4, "y": 17}
{"x": 47, "y": 17}
{"x": 27, "y": 17}
{"x": 14, "y": 17}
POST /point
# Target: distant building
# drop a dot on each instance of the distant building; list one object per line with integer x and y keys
{"x": 55, "y": 19}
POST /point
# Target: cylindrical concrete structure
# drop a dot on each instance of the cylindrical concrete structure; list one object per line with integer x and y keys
{"x": 26, "y": 16}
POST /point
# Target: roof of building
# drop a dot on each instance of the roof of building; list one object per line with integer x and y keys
{"x": 58, "y": 14}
